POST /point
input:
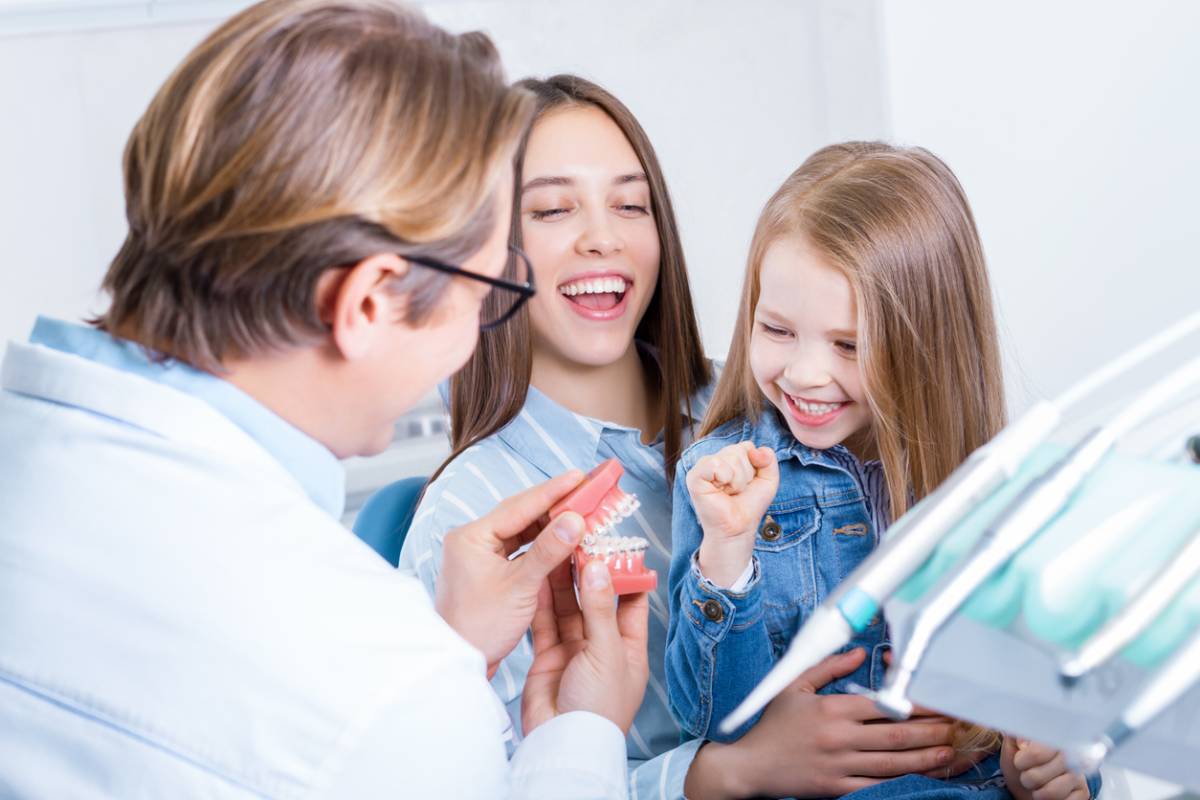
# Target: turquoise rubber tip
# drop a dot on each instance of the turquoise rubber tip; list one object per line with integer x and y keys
{"x": 859, "y": 608}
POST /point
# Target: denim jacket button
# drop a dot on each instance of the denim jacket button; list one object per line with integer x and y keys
{"x": 712, "y": 609}
{"x": 771, "y": 530}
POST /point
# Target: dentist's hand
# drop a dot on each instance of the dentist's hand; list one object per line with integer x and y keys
{"x": 589, "y": 655}
{"x": 488, "y": 599}
{"x": 730, "y": 491}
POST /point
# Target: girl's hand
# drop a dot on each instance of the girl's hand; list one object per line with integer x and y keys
{"x": 730, "y": 491}
{"x": 1037, "y": 772}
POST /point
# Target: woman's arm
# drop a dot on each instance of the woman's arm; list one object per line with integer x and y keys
{"x": 813, "y": 745}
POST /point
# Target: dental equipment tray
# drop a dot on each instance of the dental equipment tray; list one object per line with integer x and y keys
{"x": 997, "y": 662}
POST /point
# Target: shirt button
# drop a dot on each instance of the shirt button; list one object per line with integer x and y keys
{"x": 771, "y": 530}
{"x": 712, "y": 609}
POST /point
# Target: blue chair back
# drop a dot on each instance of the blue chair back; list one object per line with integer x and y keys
{"x": 384, "y": 519}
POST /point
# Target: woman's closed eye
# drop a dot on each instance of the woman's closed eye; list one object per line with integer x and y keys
{"x": 543, "y": 214}
{"x": 632, "y": 210}
{"x": 846, "y": 347}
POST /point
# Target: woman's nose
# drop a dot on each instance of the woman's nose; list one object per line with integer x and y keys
{"x": 599, "y": 237}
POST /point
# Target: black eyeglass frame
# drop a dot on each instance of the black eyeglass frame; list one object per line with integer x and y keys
{"x": 524, "y": 291}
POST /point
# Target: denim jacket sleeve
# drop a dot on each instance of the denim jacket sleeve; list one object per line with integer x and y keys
{"x": 717, "y": 643}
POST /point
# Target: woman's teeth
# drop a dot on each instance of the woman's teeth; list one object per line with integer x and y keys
{"x": 816, "y": 409}
{"x": 594, "y": 286}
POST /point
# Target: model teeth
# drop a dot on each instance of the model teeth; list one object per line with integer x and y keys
{"x": 594, "y": 286}
{"x": 614, "y": 547}
{"x": 609, "y": 516}
{"x": 816, "y": 409}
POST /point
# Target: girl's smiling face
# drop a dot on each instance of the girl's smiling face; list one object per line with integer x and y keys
{"x": 588, "y": 227}
{"x": 803, "y": 348}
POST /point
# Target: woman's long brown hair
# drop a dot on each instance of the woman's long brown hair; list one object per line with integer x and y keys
{"x": 491, "y": 389}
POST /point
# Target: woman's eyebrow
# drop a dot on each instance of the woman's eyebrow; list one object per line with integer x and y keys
{"x": 633, "y": 177}
{"x": 549, "y": 180}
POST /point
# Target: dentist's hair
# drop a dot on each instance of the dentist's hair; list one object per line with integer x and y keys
{"x": 303, "y": 135}
{"x": 896, "y": 223}
{"x": 487, "y": 393}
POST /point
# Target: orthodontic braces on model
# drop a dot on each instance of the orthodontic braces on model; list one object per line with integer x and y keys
{"x": 604, "y": 505}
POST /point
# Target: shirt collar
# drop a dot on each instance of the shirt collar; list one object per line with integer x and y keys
{"x": 310, "y": 462}
{"x": 772, "y": 431}
{"x": 553, "y": 437}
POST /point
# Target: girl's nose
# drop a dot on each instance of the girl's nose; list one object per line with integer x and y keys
{"x": 806, "y": 371}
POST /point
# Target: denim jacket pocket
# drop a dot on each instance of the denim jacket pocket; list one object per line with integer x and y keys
{"x": 786, "y": 524}
{"x": 784, "y": 549}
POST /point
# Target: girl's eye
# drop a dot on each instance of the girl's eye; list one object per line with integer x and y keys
{"x": 771, "y": 330}
{"x": 847, "y": 348}
{"x": 549, "y": 213}
{"x": 633, "y": 210}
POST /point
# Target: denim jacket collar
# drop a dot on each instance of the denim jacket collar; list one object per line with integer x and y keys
{"x": 770, "y": 430}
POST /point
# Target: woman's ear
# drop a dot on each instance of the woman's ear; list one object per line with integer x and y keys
{"x": 357, "y": 304}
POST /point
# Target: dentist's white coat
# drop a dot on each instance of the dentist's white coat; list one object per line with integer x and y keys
{"x": 178, "y": 618}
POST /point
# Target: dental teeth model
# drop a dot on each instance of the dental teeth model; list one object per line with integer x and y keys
{"x": 604, "y": 505}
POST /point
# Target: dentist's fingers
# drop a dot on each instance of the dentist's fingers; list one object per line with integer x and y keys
{"x": 552, "y": 547}
{"x": 599, "y": 611}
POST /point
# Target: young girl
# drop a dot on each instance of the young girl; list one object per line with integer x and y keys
{"x": 864, "y": 369}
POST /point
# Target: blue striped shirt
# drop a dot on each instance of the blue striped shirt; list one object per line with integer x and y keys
{"x": 546, "y": 439}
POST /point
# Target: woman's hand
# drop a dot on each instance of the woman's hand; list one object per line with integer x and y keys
{"x": 730, "y": 491}
{"x": 1037, "y": 772}
{"x": 488, "y": 599}
{"x": 811, "y": 745}
{"x": 589, "y": 655}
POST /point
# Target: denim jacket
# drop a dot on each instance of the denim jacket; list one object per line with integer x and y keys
{"x": 720, "y": 643}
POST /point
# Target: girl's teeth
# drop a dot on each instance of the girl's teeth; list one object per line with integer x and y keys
{"x": 816, "y": 409}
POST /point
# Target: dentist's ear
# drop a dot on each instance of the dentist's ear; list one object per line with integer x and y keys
{"x": 356, "y": 304}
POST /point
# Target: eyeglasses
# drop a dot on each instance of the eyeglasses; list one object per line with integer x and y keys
{"x": 507, "y": 293}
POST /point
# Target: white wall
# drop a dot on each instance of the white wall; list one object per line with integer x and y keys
{"x": 1074, "y": 128}
{"x": 733, "y": 96}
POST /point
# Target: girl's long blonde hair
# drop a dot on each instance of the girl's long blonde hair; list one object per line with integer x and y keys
{"x": 896, "y": 223}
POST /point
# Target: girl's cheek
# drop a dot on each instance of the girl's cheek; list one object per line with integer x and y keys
{"x": 764, "y": 360}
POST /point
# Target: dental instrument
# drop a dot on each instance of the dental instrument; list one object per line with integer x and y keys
{"x": 1018, "y": 523}
{"x": 1137, "y": 616}
{"x": 1161, "y": 690}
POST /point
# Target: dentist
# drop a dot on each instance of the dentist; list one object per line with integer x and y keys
{"x": 318, "y": 200}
